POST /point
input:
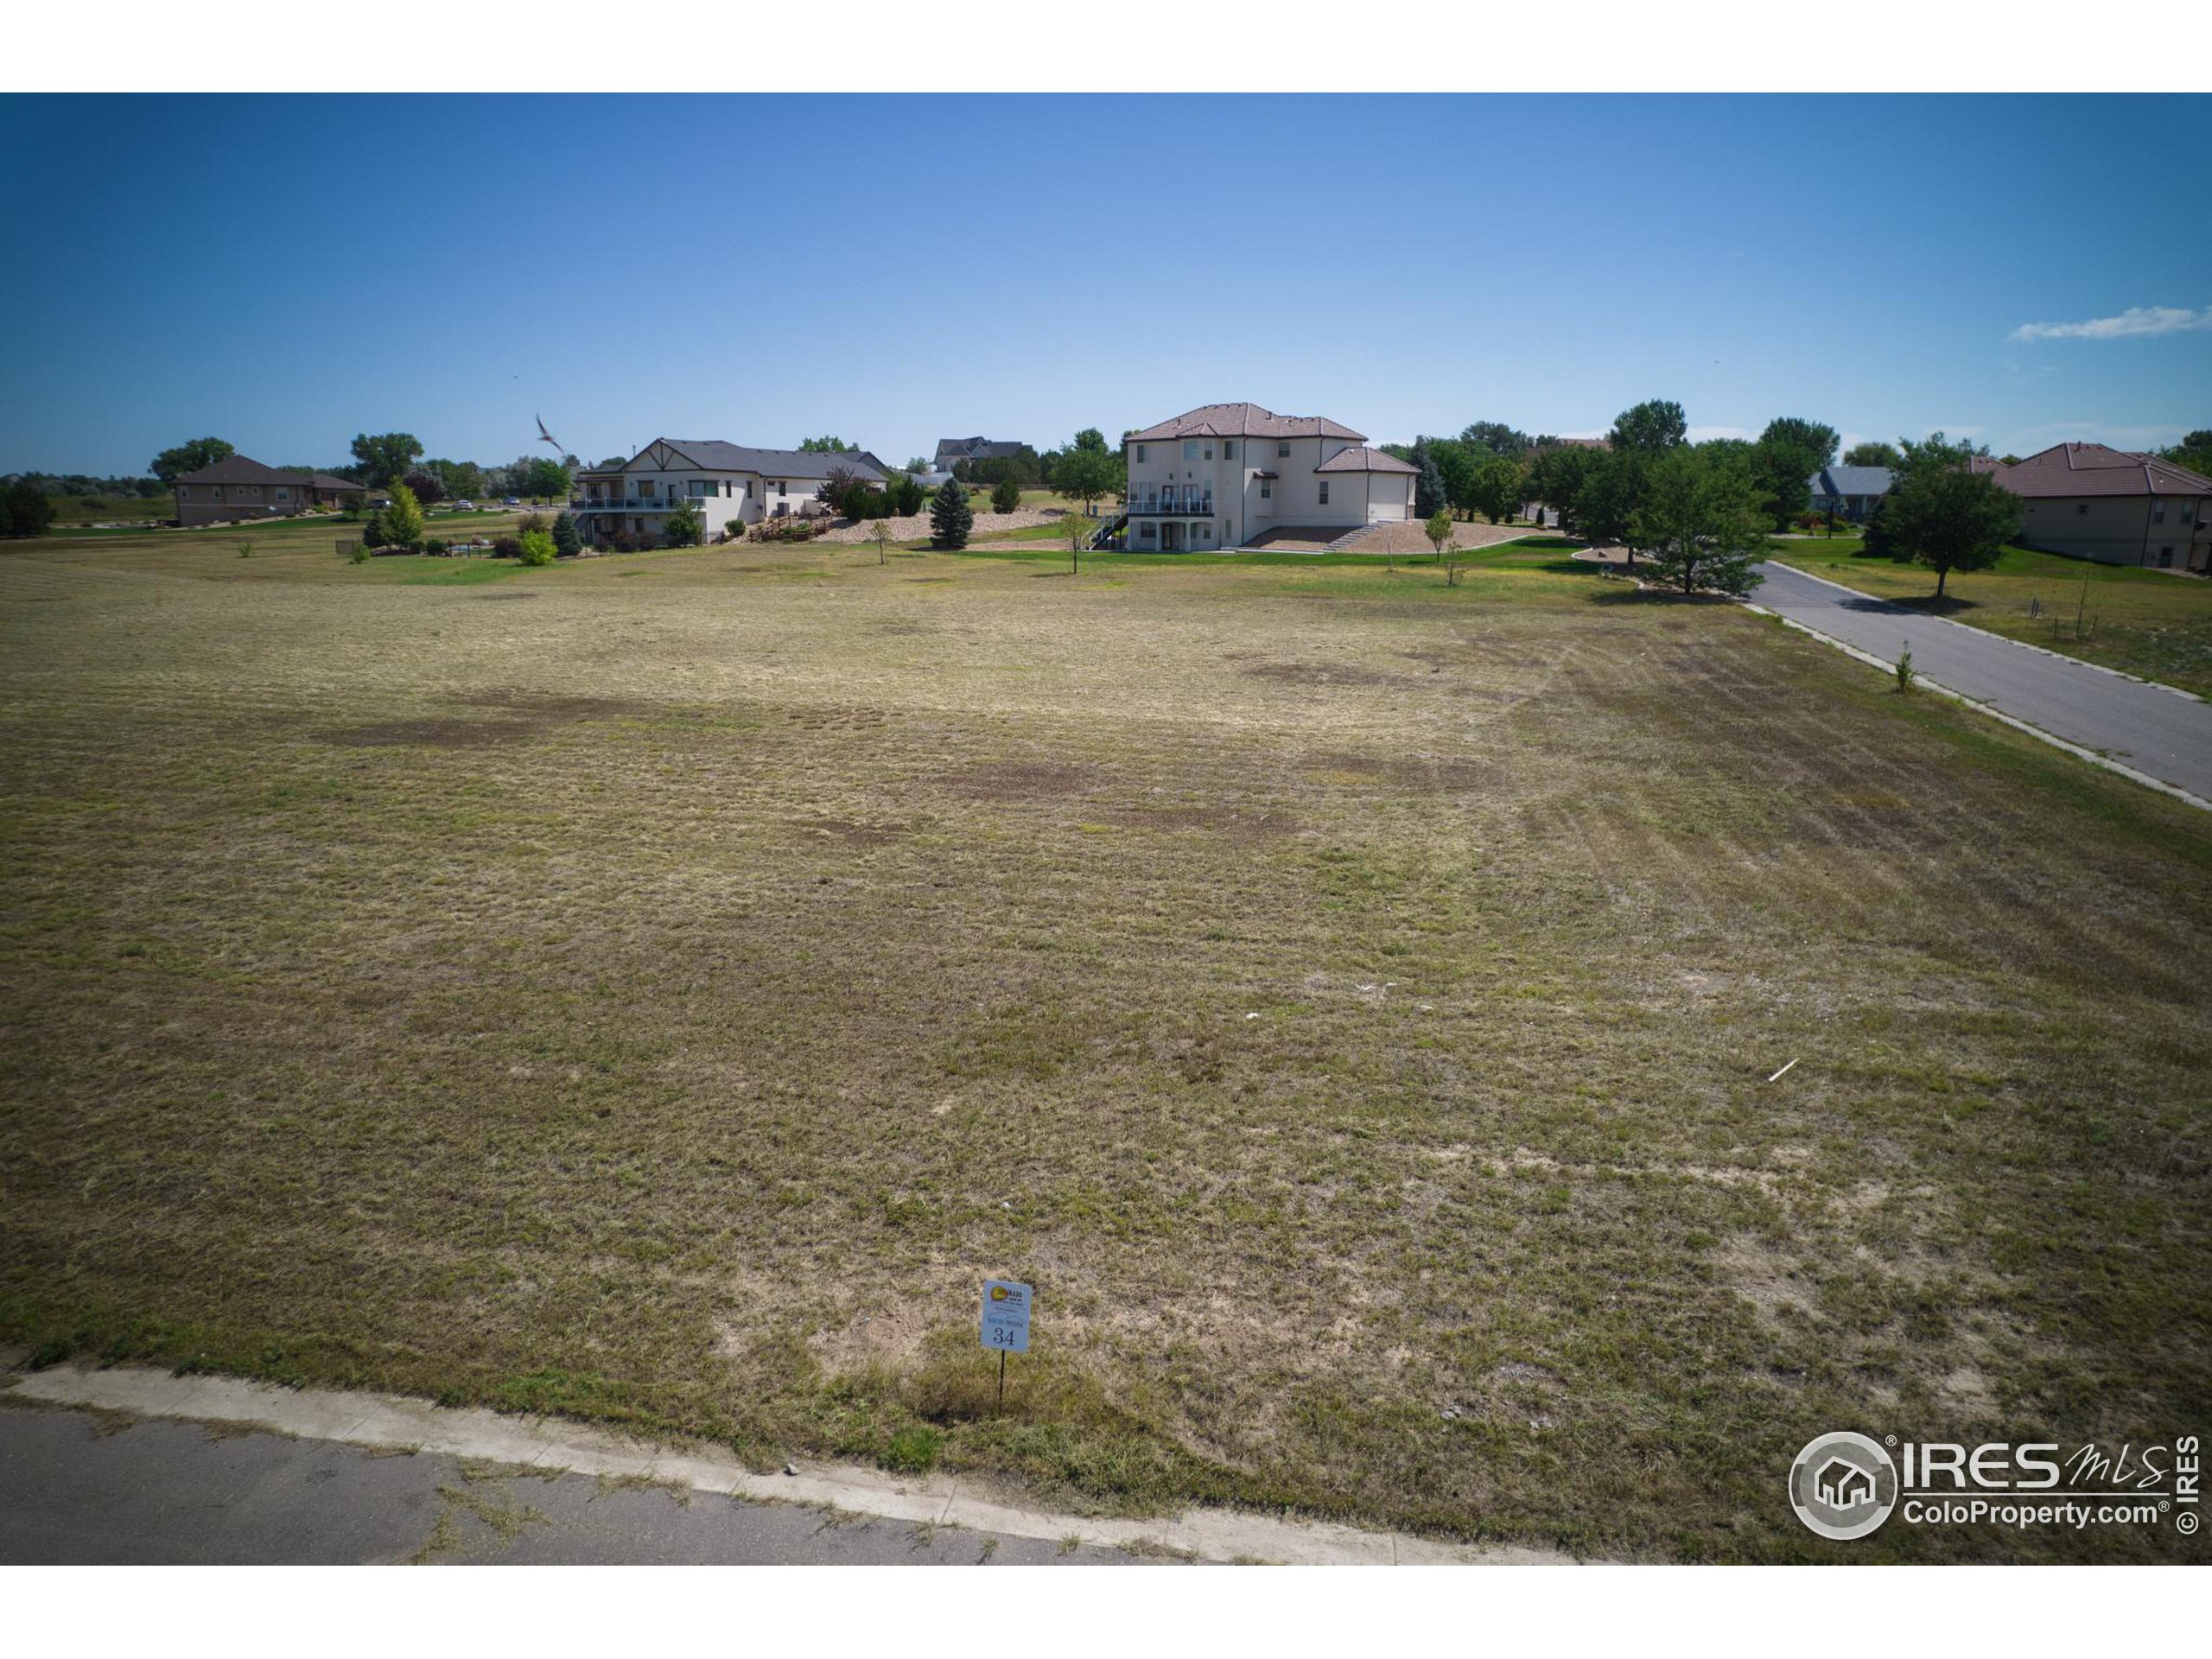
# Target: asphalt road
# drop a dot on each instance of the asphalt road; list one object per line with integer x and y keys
{"x": 87, "y": 1488}
{"x": 2148, "y": 728}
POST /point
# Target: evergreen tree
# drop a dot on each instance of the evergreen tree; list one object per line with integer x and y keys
{"x": 1005, "y": 495}
{"x": 950, "y": 517}
{"x": 25, "y": 511}
{"x": 1429, "y": 495}
{"x": 566, "y": 542}
{"x": 402, "y": 522}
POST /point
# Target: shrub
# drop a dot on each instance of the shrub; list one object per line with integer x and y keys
{"x": 245, "y": 549}
{"x": 1005, "y": 494}
{"x": 506, "y": 547}
{"x": 372, "y": 531}
{"x": 535, "y": 547}
{"x": 566, "y": 542}
{"x": 734, "y": 528}
{"x": 866, "y": 501}
{"x": 685, "y": 527}
{"x": 438, "y": 544}
{"x": 907, "y": 494}
{"x": 359, "y": 555}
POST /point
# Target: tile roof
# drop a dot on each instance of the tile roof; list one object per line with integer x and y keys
{"x": 331, "y": 482}
{"x": 1364, "y": 458}
{"x": 2067, "y": 469}
{"x": 1243, "y": 421}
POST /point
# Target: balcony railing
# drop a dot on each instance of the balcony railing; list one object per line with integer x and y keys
{"x": 645, "y": 503}
{"x": 1172, "y": 504}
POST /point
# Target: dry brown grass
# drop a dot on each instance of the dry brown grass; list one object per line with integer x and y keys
{"x": 664, "y": 1001}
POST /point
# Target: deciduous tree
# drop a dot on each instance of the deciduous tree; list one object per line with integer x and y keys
{"x": 385, "y": 457}
{"x": 190, "y": 457}
{"x": 1943, "y": 515}
{"x": 1700, "y": 519}
{"x": 1873, "y": 453}
{"x": 1650, "y": 428}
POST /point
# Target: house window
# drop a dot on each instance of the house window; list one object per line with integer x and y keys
{"x": 1140, "y": 452}
{"x": 2187, "y": 511}
{"x": 2165, "y": 556}
{"x": 1229, "y": 452}
{"x": 1266, "y": 489}
{"x": 645, "y": 486}
{"x": 780, "y": 485}
{"x": 2158, "y": 509}
{"x": 1282, "y": 449}
{"x": 1209, "y": 454}
{"x": 257, "y": 491}
{"x": 1325, "y": 491}
{"x": 214, "y": 491}
{"x": 283, "y": 494}
{"x": 1189, "y": 448}
{"x": 2081, "y": 509}
{"x": 1147, "y": 530}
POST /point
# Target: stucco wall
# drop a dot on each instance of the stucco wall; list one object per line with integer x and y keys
{"x": 2113, "y": 528}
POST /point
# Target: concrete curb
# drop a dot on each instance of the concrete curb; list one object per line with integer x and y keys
{"x": 397, "y": 1423}
{"x": 2095, "y": 668}
{"x": 1979, "y": 707}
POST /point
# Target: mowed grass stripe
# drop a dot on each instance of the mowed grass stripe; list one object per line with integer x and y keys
{"x": 660, "y": 1000}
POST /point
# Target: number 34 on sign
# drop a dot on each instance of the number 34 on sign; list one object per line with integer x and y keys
{"x": 1006, "y": 1316}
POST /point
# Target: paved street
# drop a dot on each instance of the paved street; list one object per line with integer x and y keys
{"x": 85, "y": 1487}
{"x": 2146, "y": 726}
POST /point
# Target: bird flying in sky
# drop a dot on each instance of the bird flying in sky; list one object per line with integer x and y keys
{"x": 547, "y": 437}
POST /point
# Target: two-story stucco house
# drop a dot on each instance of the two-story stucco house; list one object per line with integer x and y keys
{"x": 1233, "y": 474}
{"x": 726, "y": 481}
{"x": 2114, "y": 505}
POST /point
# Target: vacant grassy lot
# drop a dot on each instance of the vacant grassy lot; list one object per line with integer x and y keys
{"x": 661, "y": 988}
{"x": 2150, "y": 623}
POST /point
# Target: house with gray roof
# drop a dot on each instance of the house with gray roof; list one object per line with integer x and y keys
{"x": 238, "y": 488}
{"x": 1236, "y": 474}
{"x": 950, "y": 452}
{"x": 1850, "y": 492}
{"x": 732, "y": 485}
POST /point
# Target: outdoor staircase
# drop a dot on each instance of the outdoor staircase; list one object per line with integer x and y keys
{"x": 1108, "y": 534}
{"x": 1353, "y": 535}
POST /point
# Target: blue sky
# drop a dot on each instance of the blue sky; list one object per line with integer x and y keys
{"x": 285, "y": 272}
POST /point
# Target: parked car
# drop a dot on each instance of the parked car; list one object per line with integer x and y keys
{"x": 511, "y": 501}
{"x": 464, "y": 506}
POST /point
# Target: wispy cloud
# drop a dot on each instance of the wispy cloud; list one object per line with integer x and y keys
{"x": 2136, "y": 322}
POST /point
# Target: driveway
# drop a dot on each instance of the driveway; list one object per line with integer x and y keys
{"x": 2162, "y": 734}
